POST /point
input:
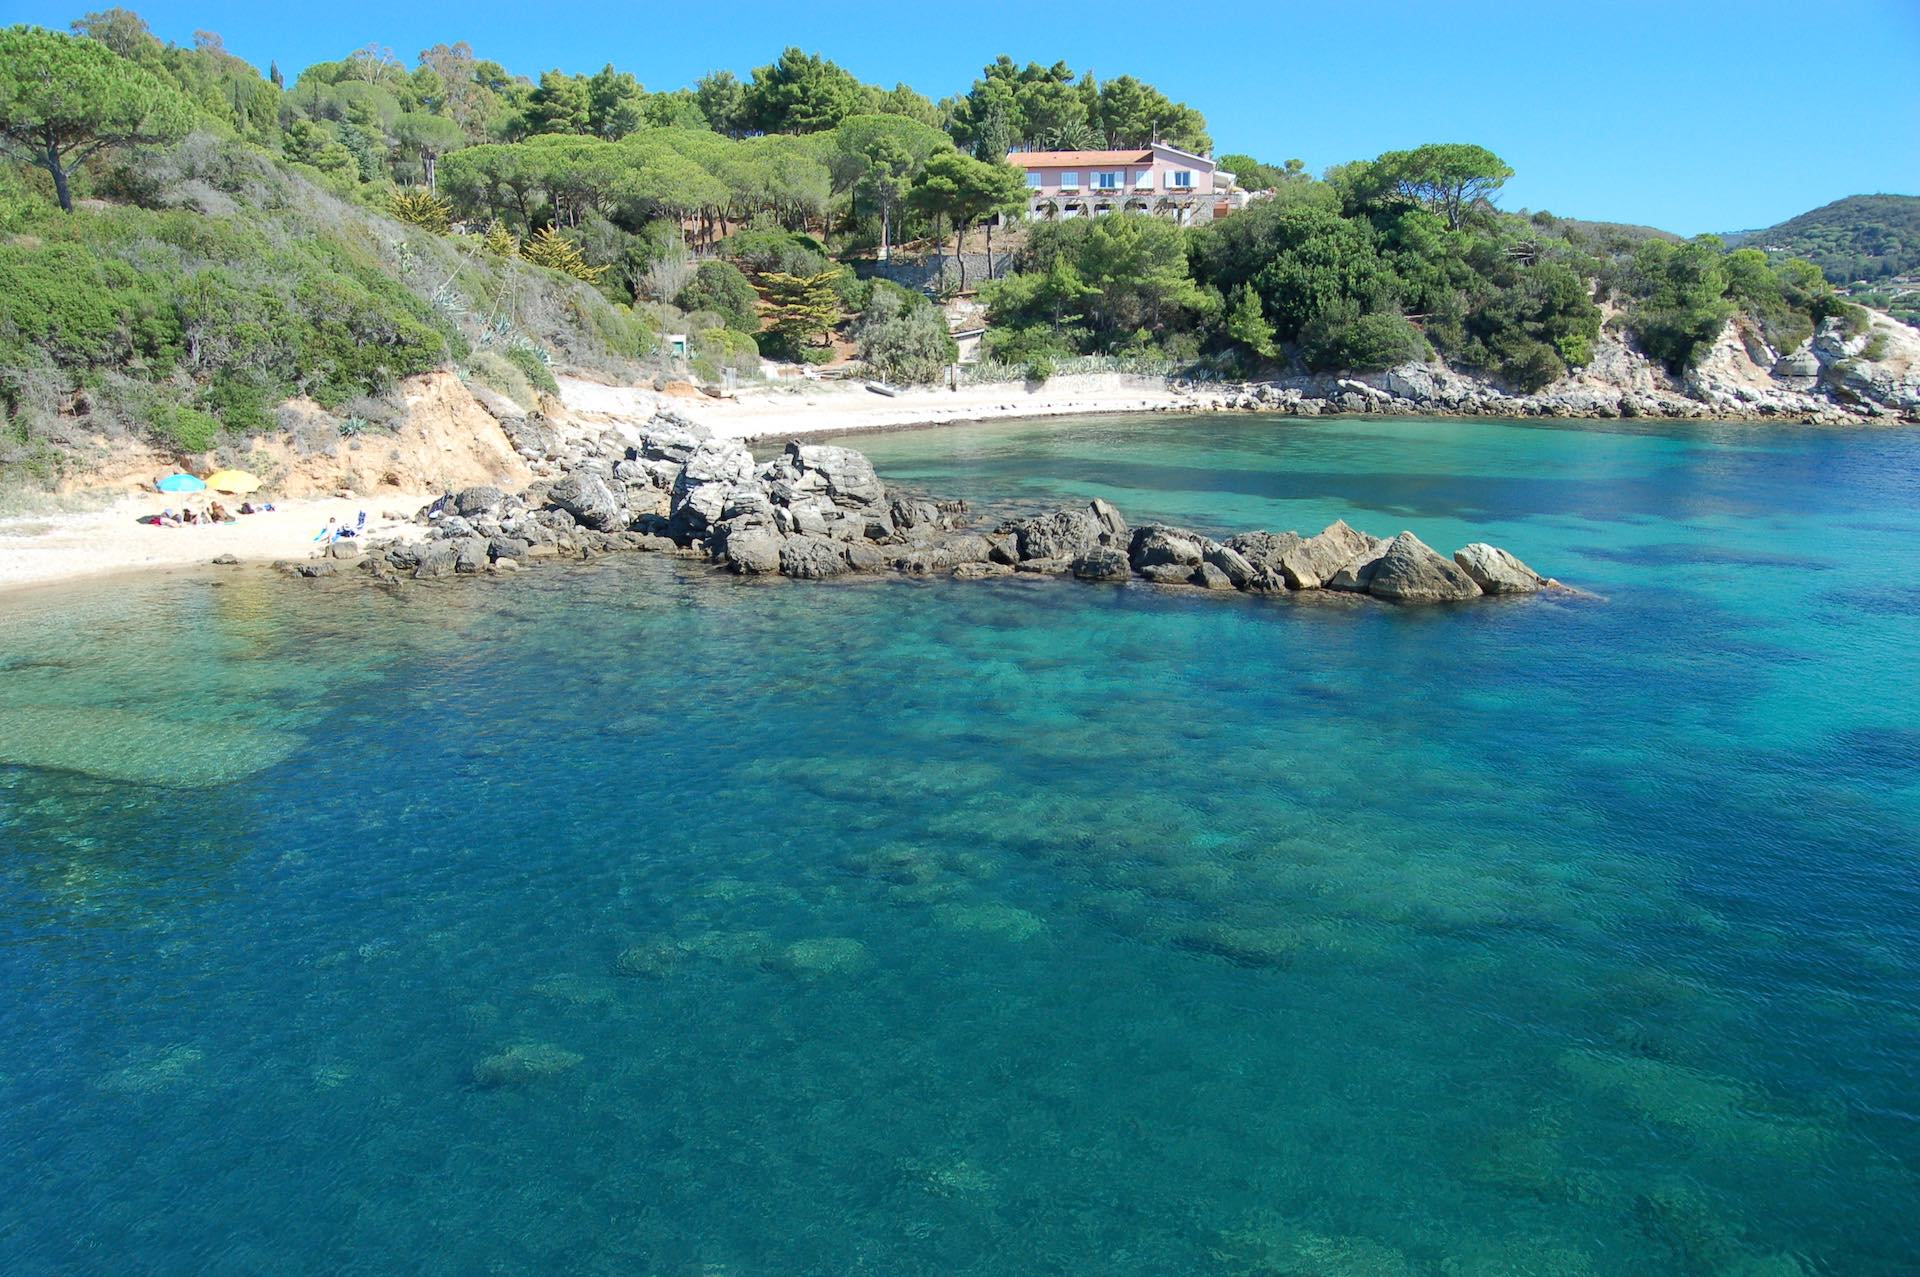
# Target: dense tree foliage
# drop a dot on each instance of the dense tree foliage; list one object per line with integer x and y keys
{"x": 721, "y": 287}
{"x": 375, "y": 218}
{"x": 64, "y": 100}
{"x": 902, "y": 337}
{"x": 1048, "y": 108}
{"x": 1862, "y": 238}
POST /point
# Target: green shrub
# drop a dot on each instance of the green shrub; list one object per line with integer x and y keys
{"x": 1875, "y": 349}
{"x": 723, "y": 288}
{"x": 1366, "y": 343}
{"x": 765, "y": 252}
{"x": 904, "y": 339}
{"x": 186, "y": 430}
{"x": 242, "y": 406}
{"x": 533, "y": 368}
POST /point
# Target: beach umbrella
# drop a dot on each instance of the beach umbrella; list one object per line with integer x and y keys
{"x": 232, "y": 481}
{"x": 180, "y": 483}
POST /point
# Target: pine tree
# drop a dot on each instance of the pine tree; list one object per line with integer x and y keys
{"x": 1247, "y": 323}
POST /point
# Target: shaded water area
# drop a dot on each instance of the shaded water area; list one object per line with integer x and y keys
{"x": 628, "y": 918}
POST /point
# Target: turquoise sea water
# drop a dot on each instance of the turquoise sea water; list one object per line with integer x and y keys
{"x": 633, "y": 919}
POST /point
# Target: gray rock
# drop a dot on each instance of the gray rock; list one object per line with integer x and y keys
{"x": 812, "y": 559}
{"x": 981, "y": 571}
{"x": 1229, "y": 560}
{"x": 225, "y": 560}
{"x": 1264, "y": 549}
{"x": 1102, "y": 563}
{"x": 588, "y": 499}
{"x": 710, "y": 478}
{"x": 1497, "y": 572}
{"x": 482, "y": 499}
{"x": 926, "y": 557}
{"x": 910, "y": 513}
{"x": 1155, "y": 544}
{"x": 754, "y": 552}
{"x": 470, "y": 555}
{"x": 1110, "y": 521}
{"x": 1061, "y": 534}
{"x": 1209, "y": 577}
{"x": 1308, "y": 565}
{"x": 434, "y": 558}
{"x": 344, "y": 550}
{"x": 1411, "y": 572}
{"x": 843, "y": 474}
{"x": 1356, "y": 574}
{"x": 321, "y": 568}
{"x": 506, "y": 547}
{"x": 1044, "y": 567}
{"x": 1167, "y": 573}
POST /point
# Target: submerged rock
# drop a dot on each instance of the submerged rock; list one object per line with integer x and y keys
{"x": 523, "y": 1062}
{"x": 1411, "y": 572}
{"x": 1496, "y": 571}
{"x": 825, "y": 956}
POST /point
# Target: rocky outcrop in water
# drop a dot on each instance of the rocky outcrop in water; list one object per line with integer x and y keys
{"x": 817, "y": 512}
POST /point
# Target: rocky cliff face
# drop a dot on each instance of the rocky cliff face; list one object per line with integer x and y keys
{"x": 1831, "y": 378}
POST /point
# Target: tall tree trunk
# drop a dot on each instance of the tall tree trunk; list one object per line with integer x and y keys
{"x": 432, "y": 164}
{"x": 959, "y": 244}
{"x": 989, "y": 226}
{"x": 886, "y": 232}
{"x": 59, "y": 177}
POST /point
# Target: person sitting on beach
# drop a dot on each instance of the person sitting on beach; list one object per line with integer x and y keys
{"x": 331, "y": 533}
{"x": 217, "y": 513}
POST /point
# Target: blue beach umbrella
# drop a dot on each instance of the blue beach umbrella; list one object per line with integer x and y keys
{"x": 180, "y": 483}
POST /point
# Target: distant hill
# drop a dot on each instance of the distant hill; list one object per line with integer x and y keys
{"x": 1601, "y": 238}
{"x": 1862, "y": 237}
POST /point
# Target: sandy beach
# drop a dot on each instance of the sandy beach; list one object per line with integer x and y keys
{"x": 48, "y": 548}
{"x": 40, "y": 549}
{"x": 829, "y": 407}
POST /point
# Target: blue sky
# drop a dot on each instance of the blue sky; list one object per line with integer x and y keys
{"x": 1687, "y": 115}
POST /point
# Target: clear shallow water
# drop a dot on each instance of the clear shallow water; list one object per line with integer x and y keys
{"x": 631, "y": 919}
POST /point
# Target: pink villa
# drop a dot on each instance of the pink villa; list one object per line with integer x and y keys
{"x": 1158, "y": 179}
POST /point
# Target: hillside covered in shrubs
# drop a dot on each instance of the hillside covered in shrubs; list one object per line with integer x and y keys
{"x": 187, "y": 243}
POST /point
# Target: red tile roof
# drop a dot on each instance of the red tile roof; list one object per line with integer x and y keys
{"x": 1077, "y": 159}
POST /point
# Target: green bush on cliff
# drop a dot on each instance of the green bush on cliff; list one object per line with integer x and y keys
{"x": 534, "y": 369}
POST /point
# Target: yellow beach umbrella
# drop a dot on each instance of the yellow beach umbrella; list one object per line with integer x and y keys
{"x": 232, "y": 481}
